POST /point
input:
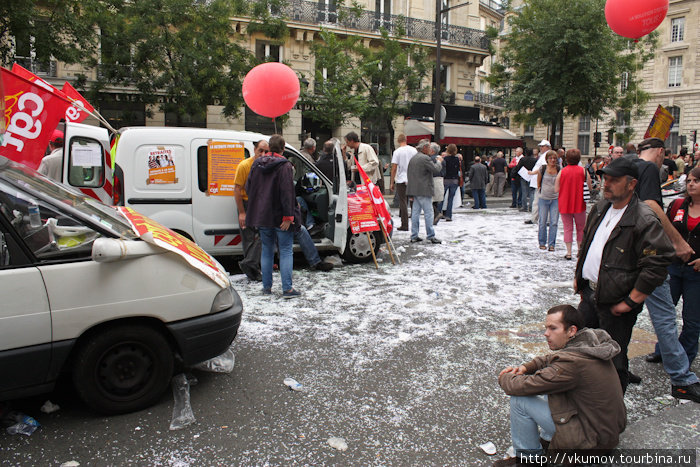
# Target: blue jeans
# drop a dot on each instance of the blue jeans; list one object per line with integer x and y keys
{"x": 450, "y": 190}
{"x": 425, "y": 204}
{"x": 479, "y": 196}
{"x": 685, "y": 282}
{"x": 526, "y": 414}
{"x": 528, "y": 194}
{"x": 285, "y": 242}
{"x": 663, "y": 317}
{"x": 307, "y": 246}
{"x": 309, "y": 221}
{"x": 549, "y": 212}
{"x": 516, "y": 191}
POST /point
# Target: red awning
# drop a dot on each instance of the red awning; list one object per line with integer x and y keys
{"x": 463, "y": 134}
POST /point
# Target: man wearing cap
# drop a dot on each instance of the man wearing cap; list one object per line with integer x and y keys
{"x": 52, "y": 165}
{"x": 660, "y": 305}
{"x": 623, "y": 263}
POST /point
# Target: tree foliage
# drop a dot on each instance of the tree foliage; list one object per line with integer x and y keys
{"x": 178, "y": 53}
{"x": 58, "y": 29}
{"x": 561, "y": 58}
{"x": 374, "y": 82}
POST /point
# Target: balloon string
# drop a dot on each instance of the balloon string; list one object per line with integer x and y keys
{"x": 274, "y": 120}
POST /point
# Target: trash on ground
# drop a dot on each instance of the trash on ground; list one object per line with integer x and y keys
{"x": 221, "y": 364}
{"x": 338, "y": 443}
{"x": 70, "y": 464}
{"x": 664, "y": 400}
{"x": 293, "y": 384}
{"x": 510, "y": 452}
{"x": 182, "y": 410}
{"x": 50, "y": 407}
{"x": 489, "y": 448}
{"x": 334, "y": 260}
{"x": 24, "y": 424}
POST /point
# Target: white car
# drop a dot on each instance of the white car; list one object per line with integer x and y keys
{"x": 83, "y": 294}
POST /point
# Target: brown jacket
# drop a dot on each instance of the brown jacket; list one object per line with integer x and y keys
{"x": 583, "y": 390}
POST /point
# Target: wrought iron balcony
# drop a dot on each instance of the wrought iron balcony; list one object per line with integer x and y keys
{"x": 329, "y": 15}
{"x": 488, "y": 99}
{"x": 37, "y": 67}
{"x": 494, "y": 5}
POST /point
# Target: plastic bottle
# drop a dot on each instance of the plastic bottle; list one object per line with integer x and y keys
{"x": 34, "y": 215}
{"x": 25, "y": 425}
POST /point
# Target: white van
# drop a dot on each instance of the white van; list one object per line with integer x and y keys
{"x": 82, "y": 294}
{"x": 181, "y": 199}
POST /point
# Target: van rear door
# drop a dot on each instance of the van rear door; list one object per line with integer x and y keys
{"x": 340, "y": 192}
{"x": 214, "y": 218}
{"x": 87, "y": 164}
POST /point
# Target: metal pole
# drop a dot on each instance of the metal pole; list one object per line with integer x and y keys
{"x": 438, "y": 77}
{"x": 595, "y": 148}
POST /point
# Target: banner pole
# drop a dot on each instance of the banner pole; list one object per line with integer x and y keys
{"x": 374, "y": 257}
{"x": 387, "y": 241}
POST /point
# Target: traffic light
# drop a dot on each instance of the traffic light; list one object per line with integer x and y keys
{"x": 694, "y": 135}
{"x": 611, "y": 136}
{"x": 596, "y": 137}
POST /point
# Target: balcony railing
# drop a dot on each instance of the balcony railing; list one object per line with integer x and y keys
{"x": 493, "y": 4}
{"x": 314, "y": 13}
{"x": 38, "y": 68}
{"x": 488, "y": 99}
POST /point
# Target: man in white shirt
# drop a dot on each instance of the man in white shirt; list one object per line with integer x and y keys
{"x": 366, "y": 157}
{"x": 399, "y": 164}
{"x": 52, "y": 165}
{"x": 623, "y": 258}
{"x": 543, "y": 147}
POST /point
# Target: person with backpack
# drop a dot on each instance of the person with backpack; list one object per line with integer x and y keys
{"x": 548, "y": 201}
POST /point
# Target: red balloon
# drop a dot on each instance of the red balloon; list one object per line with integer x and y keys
{"x": 271, "y": 89}
{"x": 635, "y": 18}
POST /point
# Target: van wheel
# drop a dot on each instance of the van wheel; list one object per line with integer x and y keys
{"x": 123, "y": 369}
{"x": 357, "y": 249}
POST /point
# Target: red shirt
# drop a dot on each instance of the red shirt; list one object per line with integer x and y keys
{"x": 571, "y": 180}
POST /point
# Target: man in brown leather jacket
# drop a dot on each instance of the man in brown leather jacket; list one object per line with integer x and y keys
{"x": 571, "y": 394}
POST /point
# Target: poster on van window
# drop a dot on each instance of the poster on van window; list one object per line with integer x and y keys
{"x": 161, "y": 167}
{"x": 360, "y": 211}
{"x": 152, "y": 232}
{"x": 223, "y": 158}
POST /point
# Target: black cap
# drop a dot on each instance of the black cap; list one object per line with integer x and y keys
{"x": 650, "y": 143}
{"x": 619, "y": 167}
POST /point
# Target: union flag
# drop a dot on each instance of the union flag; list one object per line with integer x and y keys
{"x": 378, "y": 204}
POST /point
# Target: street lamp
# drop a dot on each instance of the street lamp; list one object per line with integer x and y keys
{"x": 439, "y": 11}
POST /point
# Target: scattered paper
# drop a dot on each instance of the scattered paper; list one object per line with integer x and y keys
{"x": 338, "y": 443}
{"x": 489, "y": 448}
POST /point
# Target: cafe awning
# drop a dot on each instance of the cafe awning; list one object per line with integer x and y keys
{"x": 463, "y": 134}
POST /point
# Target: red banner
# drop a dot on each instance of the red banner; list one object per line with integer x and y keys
{"x": 660, "y": 125}
{"x": 378, "y": 204}
{"x": 76, "y": 112}
{"x": 152, "y": 232}
{"x": 360, "y": 212}
{"x": 80, "y": 109}
{"x": 31, "y": 114}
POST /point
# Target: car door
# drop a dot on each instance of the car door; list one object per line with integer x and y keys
{"x": 25, "y": 318}
{"x": 340, "y": 205}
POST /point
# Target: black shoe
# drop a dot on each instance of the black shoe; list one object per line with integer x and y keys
{"x": 529, "y": 222}
{"x": 403, "y": 229}
{"x": 316, "y": 229}
{"x": 633, "y": 379}
{"x": 434, "y": 240}
{"x": 322, "y": 266}
{"x": 690, "y": 392}
{"x": 416, "y": 239}
{"x": 653, "y": 358}
{"x": 513, "y": 206}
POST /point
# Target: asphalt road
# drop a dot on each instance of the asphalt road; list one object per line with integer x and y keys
{"x": 401, "y": 363}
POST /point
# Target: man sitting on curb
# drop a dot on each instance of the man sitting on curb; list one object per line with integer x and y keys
{"x": 571, "y": 394}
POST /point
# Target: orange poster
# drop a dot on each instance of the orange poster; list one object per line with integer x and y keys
{"x": 154, "y": 233}
{"x": 223, "y": 158}
{"x": 360, "y": 212}
{"x": 161, "y": 167}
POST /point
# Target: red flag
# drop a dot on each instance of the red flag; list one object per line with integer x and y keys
{"x": 80, "y": 109}
{"x": 378, "y": 203}
{"x": 31, "y": 114}
{"x": 76, "y": 111}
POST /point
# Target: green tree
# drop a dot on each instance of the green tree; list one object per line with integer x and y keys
{"x": 181, "y": 54}
{"x": 392, "y": 77}
{"x": 59, "y": 29}
{"x": 335, "y": 96}
{"x": 561, "y": 58}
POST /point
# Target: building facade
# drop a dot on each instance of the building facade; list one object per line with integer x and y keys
{"x": 464, "y": 47}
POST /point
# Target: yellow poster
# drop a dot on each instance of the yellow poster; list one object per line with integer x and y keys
{"x": 223, "y": 158}
{"x": 161, "y": 168}
{"x": 661, "y": 124}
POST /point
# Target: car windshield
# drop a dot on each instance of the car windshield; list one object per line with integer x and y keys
{"x": 81, "y": 206}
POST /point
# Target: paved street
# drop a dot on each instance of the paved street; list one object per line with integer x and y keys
{"x": 400, "y": 362}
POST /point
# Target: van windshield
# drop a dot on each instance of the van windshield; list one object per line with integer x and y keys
{"x": 88, "y": 209}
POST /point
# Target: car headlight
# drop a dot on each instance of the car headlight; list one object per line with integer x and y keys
{"x": 222, "y": 301}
